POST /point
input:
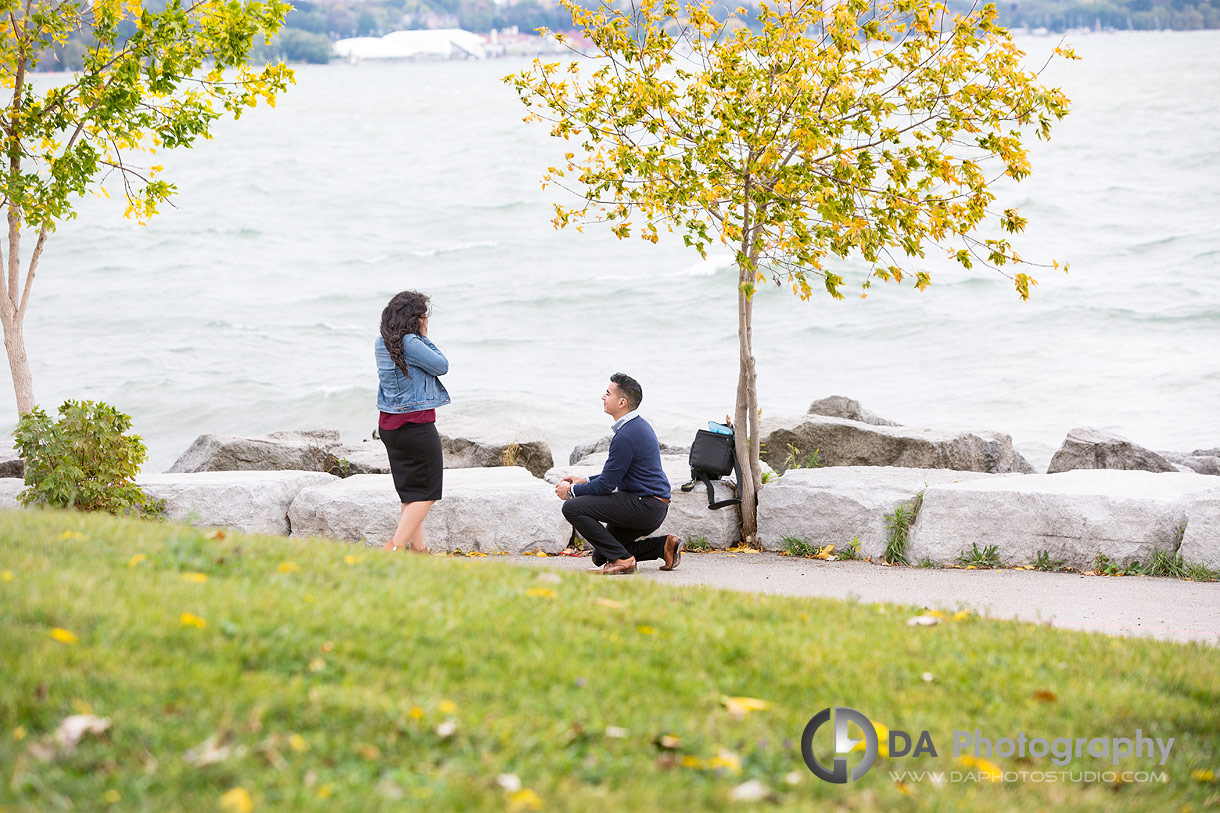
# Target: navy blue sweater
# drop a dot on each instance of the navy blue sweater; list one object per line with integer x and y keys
{"x": 634, "y": 464}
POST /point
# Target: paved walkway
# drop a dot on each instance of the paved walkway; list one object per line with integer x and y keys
{"x": 1168, "y": 609}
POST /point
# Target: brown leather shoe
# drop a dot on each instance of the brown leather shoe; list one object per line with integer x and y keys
{"x": 673, "y": 552}
{"x": 620, "y": 567}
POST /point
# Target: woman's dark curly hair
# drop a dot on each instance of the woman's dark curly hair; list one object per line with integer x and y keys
{"x": 399, "y": 318}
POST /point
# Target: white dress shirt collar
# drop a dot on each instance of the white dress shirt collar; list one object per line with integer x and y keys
{"x": 619, "y": 423}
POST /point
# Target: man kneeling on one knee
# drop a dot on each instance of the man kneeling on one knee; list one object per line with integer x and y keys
{"x": 630, "y": 496}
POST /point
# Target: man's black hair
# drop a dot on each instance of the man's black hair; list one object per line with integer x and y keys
{"x": 630, "y": 388}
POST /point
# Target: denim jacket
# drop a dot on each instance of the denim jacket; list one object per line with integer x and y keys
{"x": 423, "y": 390}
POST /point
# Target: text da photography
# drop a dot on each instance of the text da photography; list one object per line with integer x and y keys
{"x": 841, "y": 744}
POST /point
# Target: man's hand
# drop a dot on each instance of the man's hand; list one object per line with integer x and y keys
{"x": 564, "y": 489}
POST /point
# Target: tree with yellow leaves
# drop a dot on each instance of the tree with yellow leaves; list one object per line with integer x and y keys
{"x": 825, "y": 131}
{"x": 152, "y": 79}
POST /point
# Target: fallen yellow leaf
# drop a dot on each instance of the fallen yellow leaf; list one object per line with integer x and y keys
{"x": 989, "y": 769}
{"x": 237, "y": 800}
{"x": 741, "y": 706}
{"x": 63, "y": 636}
{"x": 192, "y": 620}
{"x": 216, "y": 535}
{"x": 725, "y": 759}
{"x": 825, "y": 552}
{"x": 883, "y": 740}
{"x": 524, "y": 799}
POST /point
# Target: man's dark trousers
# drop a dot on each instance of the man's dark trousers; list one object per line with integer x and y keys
{"x": 627, "y": 518}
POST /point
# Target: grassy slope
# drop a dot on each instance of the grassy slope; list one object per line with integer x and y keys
{"x": 329, "y": 670}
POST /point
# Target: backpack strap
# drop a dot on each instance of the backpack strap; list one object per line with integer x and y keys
{"x": 712, "y": 503}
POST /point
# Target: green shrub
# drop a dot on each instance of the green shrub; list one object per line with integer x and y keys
{"x": 851, "y": 551}
{"x": 795, "y": 546}
{"x": 988, "y": 557}
{"x": 900, "y": 523}
{"x": 793, "y": 461}
{"x": 1045, "y": 562}
{"x": 85, "y": 460}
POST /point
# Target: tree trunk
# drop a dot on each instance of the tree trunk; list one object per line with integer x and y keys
{"x": 18, "y": 363}
{"x": 12, "y": 313}
{"x": 745, "y": 420}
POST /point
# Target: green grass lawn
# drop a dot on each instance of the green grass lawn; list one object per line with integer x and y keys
{"x": 254, "y": 673}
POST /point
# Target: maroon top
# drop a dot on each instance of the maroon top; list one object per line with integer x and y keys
{"x": 392, "y": 420}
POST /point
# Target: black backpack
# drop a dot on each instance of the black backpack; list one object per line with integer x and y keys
{"x": 712, "y": 456}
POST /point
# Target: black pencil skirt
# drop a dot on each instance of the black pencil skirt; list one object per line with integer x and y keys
{"x": 415, "y": 461}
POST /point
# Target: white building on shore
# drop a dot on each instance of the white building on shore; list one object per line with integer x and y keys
{"x": 443, "y": 43}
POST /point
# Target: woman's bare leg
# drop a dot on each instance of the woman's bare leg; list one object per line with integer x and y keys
{"x": 410, "y": 531}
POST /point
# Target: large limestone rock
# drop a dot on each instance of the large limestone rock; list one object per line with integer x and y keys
{"x": 1072, "y": 516}
{"x": 484, "y": 509}
{"x": 369, "y": 457}
{"x": 689, "y": 516}
{"x": 834, "y": 505}
{"x": 838, "y": 406}
{"x": 1201, "y": 542}
{"x": 311, "y": 450}
{"x": 585, "y": 450}
{"x": 11, "y": 464}
{"x": 474, "y": 443}
{"x": 1199, "y": 461}
{"x": 252, "y": 501}
{"x": 842, "y": 442}
{"x": 1088, "y": 448}
{"x": 10, "y": 487}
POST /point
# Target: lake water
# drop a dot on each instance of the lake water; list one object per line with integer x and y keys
{"x": 253, "y": 305}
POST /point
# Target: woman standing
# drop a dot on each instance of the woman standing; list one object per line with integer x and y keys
{"x": 408, "y": 394}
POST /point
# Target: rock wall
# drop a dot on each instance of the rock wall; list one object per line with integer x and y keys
{"x": 833, "y": 506}
{"x": 1125, "y": 515}
{"x": 252, "y": 501}
{"x": 487, "y": 509}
